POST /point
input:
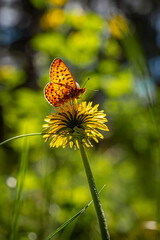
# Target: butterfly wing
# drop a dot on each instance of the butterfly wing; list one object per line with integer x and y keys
{"x": 59, "y": 73}
{"x": 62, "y": 83}
{"x": 57, "y": 94}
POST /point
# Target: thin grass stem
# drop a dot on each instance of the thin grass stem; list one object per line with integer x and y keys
{"x": 20, "y": 136}
{"x": 21, "y": 177}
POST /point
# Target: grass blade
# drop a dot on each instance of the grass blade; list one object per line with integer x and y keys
{"x": 71, "y": 219}
{"x": 20, "y": 182}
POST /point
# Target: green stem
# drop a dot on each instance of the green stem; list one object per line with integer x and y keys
{"x": 20, "y": 136}
{"x": 96, "y": 200}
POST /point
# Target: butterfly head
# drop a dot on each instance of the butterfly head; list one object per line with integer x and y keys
{"x": 82, "y": 90}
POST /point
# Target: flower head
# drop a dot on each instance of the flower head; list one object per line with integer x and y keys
{"x": 74, "y": 122}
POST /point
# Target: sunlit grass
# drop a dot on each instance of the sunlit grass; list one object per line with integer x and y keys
{"x": 20, "y": 183}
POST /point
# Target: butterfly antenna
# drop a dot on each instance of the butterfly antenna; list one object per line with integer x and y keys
{"x": 87, "y": 88}
{"x": 85, "y": 82}
{"x": 95, "y": 90}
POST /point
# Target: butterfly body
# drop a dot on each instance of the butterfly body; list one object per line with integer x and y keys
{"x": 62, "y": 87}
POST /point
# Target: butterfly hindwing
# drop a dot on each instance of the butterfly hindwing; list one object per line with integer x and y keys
{"x": 56, "y": 94}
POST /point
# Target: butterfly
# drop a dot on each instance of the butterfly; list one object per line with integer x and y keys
{"x": 62, "y": 87}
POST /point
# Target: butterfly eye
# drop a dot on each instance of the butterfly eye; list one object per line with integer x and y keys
{"x": 82, "y": 90}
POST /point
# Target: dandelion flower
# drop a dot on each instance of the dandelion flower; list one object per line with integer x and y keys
{"x": 73, "y": 122}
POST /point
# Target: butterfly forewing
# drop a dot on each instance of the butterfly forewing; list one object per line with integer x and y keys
{"x": 59, "y": 73}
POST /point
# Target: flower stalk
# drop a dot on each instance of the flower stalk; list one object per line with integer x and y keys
{"x": 93, "y": 189}
{"x": 76, "y": 124}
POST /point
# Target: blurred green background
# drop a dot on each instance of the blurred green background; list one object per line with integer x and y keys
{"x": 117, "y": 45}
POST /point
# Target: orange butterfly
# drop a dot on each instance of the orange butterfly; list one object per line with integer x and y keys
{"x": 62, "y": 87}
